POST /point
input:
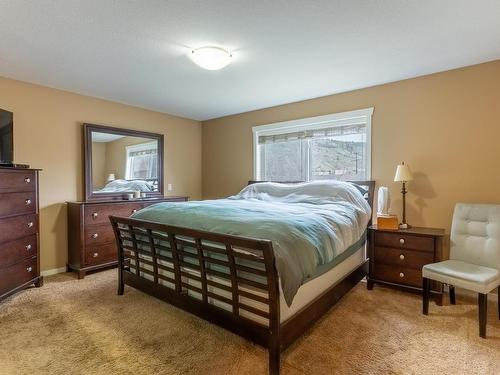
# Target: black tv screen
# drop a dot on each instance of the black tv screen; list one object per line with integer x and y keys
{"x": 6, "y": 137}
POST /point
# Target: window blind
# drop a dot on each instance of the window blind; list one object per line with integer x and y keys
{"x": 323, "y": 132}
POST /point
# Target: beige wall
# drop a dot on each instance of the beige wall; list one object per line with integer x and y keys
{"x": 98, "y": 164}
{"x": 48, "y": 135}
{"x": 445, "y": 126}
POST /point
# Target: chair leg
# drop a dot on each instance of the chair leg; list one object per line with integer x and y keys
{"x": 483, "y": 308}
{"x": 453, "y": 301}
{"x": 425, "y": 296}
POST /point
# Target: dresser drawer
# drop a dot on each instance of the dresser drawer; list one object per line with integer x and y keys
{"x": 398, "y": 275}
{"x": 99, "y": 254}
{"x": 402, "y": 257}
{"x": 17, "y": 250}
{"x": 18, "y": 227}
{"x": 404, "y": 241}
{"x": 17, "y": 274}
{"x": 17, "y": 203}
{"x": 99, "y": 214}
{"x": 14, "y": 181}
{"x": 99, "y": 234}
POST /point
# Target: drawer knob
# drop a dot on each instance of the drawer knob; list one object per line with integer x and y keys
{"x": 29, "y": 269}
{"x": 402, "y": 241}
{"x": 401, "y": 256}
{"x": 28, "y": 247}
{"x": 27, "y": 201}
{"x": 95, "y": 255}
{"x": 401, "y": 274}
{"x": 95, "y": 235}
{"x": 27, "y": 180}
{"x": 94, "y": 215}
{"x": 30, "y": 224}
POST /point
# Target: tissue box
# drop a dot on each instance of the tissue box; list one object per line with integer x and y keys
{"x": 387, "y": 222}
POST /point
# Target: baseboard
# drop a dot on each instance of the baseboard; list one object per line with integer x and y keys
{"x": 53, "y": 271}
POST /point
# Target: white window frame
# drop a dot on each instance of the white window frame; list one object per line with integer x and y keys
{"x": 360, "y": 116}
{"x": 135, "y": 148}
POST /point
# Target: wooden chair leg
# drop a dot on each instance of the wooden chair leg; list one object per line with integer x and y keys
{"x": 483, "y": 309}
{"x": 453, "y": 301}
{"x": 425, "y": 296}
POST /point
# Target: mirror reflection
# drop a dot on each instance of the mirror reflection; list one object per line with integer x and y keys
{"x": 122, "y": 163}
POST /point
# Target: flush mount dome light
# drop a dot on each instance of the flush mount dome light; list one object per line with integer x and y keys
{"x": 211, "y": 58}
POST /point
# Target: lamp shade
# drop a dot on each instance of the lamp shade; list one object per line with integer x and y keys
{"x": 111, "y": 177}
{"x": 403, "y": 173}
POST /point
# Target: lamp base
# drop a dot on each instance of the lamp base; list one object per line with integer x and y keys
{"x": 404, "y": 226}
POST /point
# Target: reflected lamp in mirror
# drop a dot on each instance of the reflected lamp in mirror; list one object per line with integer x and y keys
{"x": 403, "y": 175}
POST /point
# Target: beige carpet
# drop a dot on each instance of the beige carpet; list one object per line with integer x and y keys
{"x": 83, "y": 327}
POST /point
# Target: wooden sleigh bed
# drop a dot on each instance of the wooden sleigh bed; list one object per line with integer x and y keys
{"x": 237, "y": 288}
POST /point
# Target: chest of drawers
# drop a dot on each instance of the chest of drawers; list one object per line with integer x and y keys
{"x": 397, "y": 257}
{"x": 19, "y": 230}
{"x": 91, "y": 240}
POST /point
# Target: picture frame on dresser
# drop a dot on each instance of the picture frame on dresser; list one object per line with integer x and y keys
{"x": 19, "y": 230}
{"x": 91, "y": 241}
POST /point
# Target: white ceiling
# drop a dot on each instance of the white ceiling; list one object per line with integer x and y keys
{"x": 284, "y": 50}
{"x": 105, "y": 137}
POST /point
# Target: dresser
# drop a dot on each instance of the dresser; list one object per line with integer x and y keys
{"x": 91, "y": 240}
{"x": 397, "y": 257}
{"x": 19, "y": 230}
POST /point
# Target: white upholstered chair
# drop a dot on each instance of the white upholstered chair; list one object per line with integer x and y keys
{"x": 474, "y": 257}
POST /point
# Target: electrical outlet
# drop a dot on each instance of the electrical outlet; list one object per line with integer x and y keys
{"x": 170, "y": 187}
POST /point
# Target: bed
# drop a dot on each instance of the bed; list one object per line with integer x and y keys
{"x": 249, "y": 271}
{"x": 127, "y": 186}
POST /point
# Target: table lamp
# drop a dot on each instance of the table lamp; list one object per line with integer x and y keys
{"x": 403, "y": 175}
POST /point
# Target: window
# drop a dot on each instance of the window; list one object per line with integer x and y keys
{"x": 335, "y": 146}
{"x": 142, "y": 161}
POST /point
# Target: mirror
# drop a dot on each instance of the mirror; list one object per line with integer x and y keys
{"x": 122, "y": 164}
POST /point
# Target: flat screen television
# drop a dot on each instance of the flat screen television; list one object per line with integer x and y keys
{"x": 6, "y": 137}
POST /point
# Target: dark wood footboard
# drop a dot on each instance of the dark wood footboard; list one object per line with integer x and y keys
{"x": 220, "y": 278}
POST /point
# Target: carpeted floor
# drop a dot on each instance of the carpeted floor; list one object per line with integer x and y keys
{"x": 83, "y": 327}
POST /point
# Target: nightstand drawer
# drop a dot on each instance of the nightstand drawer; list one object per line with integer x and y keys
{"x": 398, "y": 275}
{"x": 404, "y": 241}
{"x": 402, "y": 257}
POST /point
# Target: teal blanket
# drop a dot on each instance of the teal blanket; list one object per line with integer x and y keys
{"x": 308, "y": 231}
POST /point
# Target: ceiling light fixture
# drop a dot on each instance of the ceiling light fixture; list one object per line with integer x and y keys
{"x": 211, "y": 58}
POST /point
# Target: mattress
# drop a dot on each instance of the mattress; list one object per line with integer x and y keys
{"x": 315, "y": 287}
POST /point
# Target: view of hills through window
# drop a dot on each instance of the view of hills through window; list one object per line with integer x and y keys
{"x": 336, "y": 159}
{"x": 317, "y": 158}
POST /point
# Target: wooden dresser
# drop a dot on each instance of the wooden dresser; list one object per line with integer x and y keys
{"x": 91, "y": 240}
{"x": 19, "y": 230}
{"x": 397, "y": 257}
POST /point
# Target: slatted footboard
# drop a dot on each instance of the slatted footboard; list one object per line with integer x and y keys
{"x": 228, "y": 280}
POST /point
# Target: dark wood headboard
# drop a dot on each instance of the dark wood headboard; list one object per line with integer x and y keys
{"x": 369, "y": 185}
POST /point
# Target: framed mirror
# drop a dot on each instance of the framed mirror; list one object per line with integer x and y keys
{"x": 122, "y": 164}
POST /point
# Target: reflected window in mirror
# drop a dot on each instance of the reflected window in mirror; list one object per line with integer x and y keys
{"x": 142, "y": 161}
{"x": 123, "y": 163}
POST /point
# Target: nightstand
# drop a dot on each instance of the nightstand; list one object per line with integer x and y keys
{"x": 397, "y": 257}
